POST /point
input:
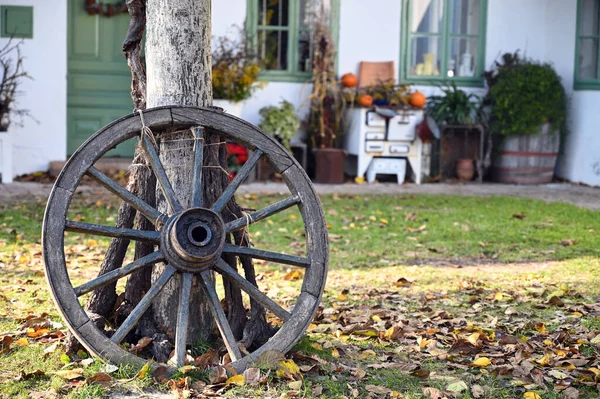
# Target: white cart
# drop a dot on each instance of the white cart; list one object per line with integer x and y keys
{"x": 367, "y": 137}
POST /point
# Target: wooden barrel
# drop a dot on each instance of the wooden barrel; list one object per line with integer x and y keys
{"x": 527, "y": 159}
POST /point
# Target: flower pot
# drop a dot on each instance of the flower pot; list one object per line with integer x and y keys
{"x": 527, "y": 158}
{"x": 329, "y": 165}
{"x": 232, "y": 108}
{"x": 465, "y": 169}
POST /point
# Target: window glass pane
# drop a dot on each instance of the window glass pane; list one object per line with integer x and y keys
{"x": 273, "y": 12}
{"x": 426, "y": 15}
{"x": 305, "y": 46}
{"x": 588, "y": 59}
{"x": 588, "y": 18}
{"x": 273, "y": 49}
{"x": 425, "y": 56}
{"x": 464, "y": 17}
{"x": 462, "y": 57}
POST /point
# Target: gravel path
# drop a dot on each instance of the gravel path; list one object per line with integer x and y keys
{"x": 582, "y": 196}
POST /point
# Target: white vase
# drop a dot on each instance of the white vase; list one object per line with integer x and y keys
{"x": 232, "y": 108}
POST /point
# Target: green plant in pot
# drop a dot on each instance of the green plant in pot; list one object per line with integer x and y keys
{"x": 281, "y": 122}
{"x": 528, "y": 113}
{"x": 460, "y": 115}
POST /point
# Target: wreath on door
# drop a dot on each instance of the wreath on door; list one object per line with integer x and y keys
{"x": 106, "y": 10}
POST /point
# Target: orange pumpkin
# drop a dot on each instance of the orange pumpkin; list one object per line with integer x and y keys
{"x": 365, "y": 100}
{"x": 417, "y": 99}
{"x": 349, "y": 80}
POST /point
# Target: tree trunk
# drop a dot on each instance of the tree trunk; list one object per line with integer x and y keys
{"x": 178, "y": 61}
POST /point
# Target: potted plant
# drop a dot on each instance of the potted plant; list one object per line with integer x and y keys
{"x": 235, "y": 72}
{"x": 282, "y": 123}
{"x": 528, "y": 113}
{"x": 327, "y": 105}
{"x": 459, "y": 115}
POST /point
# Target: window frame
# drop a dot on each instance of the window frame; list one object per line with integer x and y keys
{"x": 291, "y": 74}
{"x": 579, "y": 83}
{"x": 445, "y": 36}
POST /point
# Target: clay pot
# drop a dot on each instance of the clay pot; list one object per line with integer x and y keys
{"x": 465, "y": 170}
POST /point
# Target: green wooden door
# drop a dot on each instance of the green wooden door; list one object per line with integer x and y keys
{"x": 98, "y": 76}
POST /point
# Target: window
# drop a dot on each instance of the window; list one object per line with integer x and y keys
{"x": 281, "y": 31}
{"x": 587, "y": 46}
{"x": 443, "y": 40}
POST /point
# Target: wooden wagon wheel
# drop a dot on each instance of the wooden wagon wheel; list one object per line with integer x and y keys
{"x": 190, "y": 241}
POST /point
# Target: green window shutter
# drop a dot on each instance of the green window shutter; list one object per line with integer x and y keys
{"x": 292, "y": 31}
{"x": 449, "y": 66}
{"x": 587, "y": 46}
{"x": 17, "y": 21}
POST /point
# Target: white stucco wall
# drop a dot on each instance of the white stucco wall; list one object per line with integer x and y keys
{"x": 35, "y": 145}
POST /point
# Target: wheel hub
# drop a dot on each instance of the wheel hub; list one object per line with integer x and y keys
{"x": 193, "y": 239}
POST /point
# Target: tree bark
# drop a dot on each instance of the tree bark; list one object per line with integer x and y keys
{"x": 178, "y": 61}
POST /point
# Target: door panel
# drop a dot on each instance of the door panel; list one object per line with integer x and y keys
{"x": 98, "y": 81}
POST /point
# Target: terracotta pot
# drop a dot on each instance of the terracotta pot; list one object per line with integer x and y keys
{"x": 329, "y": 165}
{"x": 465, "y": 170}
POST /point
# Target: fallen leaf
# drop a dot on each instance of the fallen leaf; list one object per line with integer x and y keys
{"x": 100, "y": 378}
{"x": 270, "y": 359}
{"x": 5, "y": 344}
{"x": 420, "y": 373}
{"x": 520, "y": 216}
{"x": 143, "y": 371}
{"x": 22, "y": 342}
{"x": 556, "y": 301}
{"x": 238, "y": 380}
{"x": 531, "y": 395}
{"x": 295, "y": 385}
{"x": 252, "y": 375}
{"x": 70, "y": 374}
{"x": 481, "y": 362}
{"x": 567, "y": 243}
{"x": 218, "y": 375}
{"x": 457, "y": 387}
{"x": 477, "y": 391}
{"x": 378, "y": 389}
{"x": 317, "y": 390}
{"x": 434, "y": 393}
{"x": 141, "y": 344}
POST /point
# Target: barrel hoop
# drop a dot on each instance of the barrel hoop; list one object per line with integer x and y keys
{"x": 530, "y": 153}
{"x": 527, "y": 170}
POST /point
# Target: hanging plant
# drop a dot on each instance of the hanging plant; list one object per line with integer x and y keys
{"x": 106, "y": 10}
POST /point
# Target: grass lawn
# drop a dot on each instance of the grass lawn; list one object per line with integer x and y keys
{"x": 427, "y": 297}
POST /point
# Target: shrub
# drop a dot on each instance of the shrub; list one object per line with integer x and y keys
{"x": 524, "y": 96}
{"x": 281, "y": 122}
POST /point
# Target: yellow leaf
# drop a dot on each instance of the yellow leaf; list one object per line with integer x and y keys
{"x": 498, "y": 296}
{"x": 548, "y": 342}
{"x": 384, "y": 221}
{"x": 372, "y": 218}
{"x": 69, "y": 374}
{"x": 295, "y": 385}
{"x": 143, "y": 371}
{"x": 473, "y": 338}
{"x": 22, "y": 342}
{"x": 92, "y": 243}
{"x": 317, "y": 346}
{"x": 545, "y": 360}
{"x": 482, "y": 362}
{"x": 359, "y": 180}
{"x": 342, "y": 297}
{"x": 531, "y": 395}
{"x": 594, "y": 370}
{"x": 335, "y": 353}
{"x": 577, "y": 314}
{"x": 376, "y": 318}
{"x": 290, "y": 366}
{"x": 238, "y": 380}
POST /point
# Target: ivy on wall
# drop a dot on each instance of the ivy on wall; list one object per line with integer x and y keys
{"x": 106, "y": 10}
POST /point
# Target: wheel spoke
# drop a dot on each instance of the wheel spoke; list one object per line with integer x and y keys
{"x": 230, "y": 273}
{"x": 267, "y": 255}
{"x": 161, "y": 175}
{"x": 262, "y": 214}
{"x": 235, "y": 183}
{"x": 197, "y": 194}
{"x": 109, "y": 231}
{"x": 119, "y": 273}
{"x": 137, "y": 313}
{"x": 220, "y": 318}
{"x": 151, "y": 214}
{"x": 183, "y": 318}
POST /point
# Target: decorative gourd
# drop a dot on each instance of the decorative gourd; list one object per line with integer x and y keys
{"x": 365, "y": 100}
{"x": 417, "y": 99}
{"x": 349, "y": 80}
